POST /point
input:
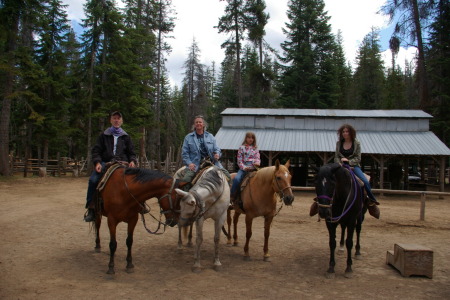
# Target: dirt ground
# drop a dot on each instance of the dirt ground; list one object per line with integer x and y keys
{"x": 47, "y": 252}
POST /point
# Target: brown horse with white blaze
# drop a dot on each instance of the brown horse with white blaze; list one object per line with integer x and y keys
{"x": 259, "y": 198}
{"x": 124, "y": 196}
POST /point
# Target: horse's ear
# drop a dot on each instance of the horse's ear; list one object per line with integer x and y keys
{"x": 288, "y": 164}
{"x": 181, "y": 192}
{"x": 277, "y": 164}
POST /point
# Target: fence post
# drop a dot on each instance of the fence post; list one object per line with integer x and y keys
{"x": 423, "y": 197}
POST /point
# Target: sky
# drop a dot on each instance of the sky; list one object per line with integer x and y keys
{"x": 195, "y": 19}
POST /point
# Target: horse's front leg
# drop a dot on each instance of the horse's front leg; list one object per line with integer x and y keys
{"x": 196, "y": 268}
{"x": 342, "y": 241}
{"x": 248, "y": 235}
{"x": 98, "y": 223}
{"x": 217, "y": 231}
{"x": 235, "y": 224}
{"x": 332, "y": 244}
{"x": 267, "y": 223}
{"x": 349, "y": 244}
{"x": 131, "y": 226}
{"x": 112, "y": 225}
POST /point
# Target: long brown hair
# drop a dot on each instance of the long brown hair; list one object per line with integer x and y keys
{"x": 252, "y": 135}
{"x": 351, "y": 131}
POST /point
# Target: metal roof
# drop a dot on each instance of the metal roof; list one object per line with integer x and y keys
{"x": 338, "y": 113}
{"x": 372, "y": 142}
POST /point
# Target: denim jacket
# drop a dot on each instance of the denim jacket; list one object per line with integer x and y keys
{"x": 191, "y": 149}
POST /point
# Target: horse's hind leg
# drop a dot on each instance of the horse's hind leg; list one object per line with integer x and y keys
{"x": 98, "y": 223}
{"x": 131, "y": 226}
{"x": 235, "y": 222}
{"x": 358, "y": 246}
{"x": 229, "y": 227}
{"x": 189, "y": 238}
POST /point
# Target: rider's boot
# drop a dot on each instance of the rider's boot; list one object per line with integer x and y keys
{"x": 314, "y": 210}
{"x": 372, "y": 206}
{"x": 89, "y": 215}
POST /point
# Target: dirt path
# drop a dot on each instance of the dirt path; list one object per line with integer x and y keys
{"x": 47, "y": 252}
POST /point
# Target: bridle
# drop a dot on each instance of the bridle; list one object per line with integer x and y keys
{"x": 347, "y": 206}
{"x": 281, "y": 190}
{"x": 162, "y": 212}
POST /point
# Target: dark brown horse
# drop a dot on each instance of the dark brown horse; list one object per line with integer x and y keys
{"x": 259, "y": 198}
{"x": 124, "y": 196}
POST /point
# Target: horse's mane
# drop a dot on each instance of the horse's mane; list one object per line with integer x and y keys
{"x": 211, "y": 180}
{"x": 146, "y": 175}
{"x": 267, "y": 172}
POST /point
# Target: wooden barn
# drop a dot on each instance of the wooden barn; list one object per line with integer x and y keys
{"x": 398, "y": 149}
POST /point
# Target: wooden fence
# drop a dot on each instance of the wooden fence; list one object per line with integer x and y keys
{"x": 423, "y": 195}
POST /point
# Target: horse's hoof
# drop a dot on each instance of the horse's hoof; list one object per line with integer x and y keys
{"x": 111, "y": 272}
{"x": 348, "y": 274}
{"x": 358, "y": 256}
{"x": 267, "y": 259}
{"x": 129, "y": 270}
{"x": 247, "y": 258}
{"x": 217, "y": 268}
{"x": 189, "y": 245}
{"x": 341, "y": 249}
{"x": 329, "y": 275}
{"x": 235, "y": 244}
{"x": 98, "y": 249}
{"x": 196, "y": 269}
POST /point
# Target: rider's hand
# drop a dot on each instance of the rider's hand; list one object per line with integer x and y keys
{"x": 191, "y": 167}
{"x": 216, "y": 156}
{"x": 98, "y": 167}
{"x": 132, "y": 165}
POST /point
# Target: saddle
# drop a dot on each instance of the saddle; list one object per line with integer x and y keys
{"x": 110, "y": 167}
{"x": 243, "y": 185}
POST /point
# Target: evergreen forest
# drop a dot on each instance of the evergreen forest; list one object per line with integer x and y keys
{"x": 57, "y": 86}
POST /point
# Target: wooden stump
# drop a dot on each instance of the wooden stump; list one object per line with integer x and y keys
{"x": 411, "y": 259}
{"x": 42, "y": 171}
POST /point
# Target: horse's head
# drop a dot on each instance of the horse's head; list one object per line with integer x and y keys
{"x": 325, "y": 187}
{"x": 282, "y": 182}
{"x": 188, "y": 208}
{"x": 170, "y": 203}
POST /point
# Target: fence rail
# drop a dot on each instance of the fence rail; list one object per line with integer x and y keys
{"x": 423, "y": 195}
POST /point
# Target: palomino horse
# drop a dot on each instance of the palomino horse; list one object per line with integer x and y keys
{"x": 259, "y": 198}
{"x": 208, "y": 198}
{"x": 340, "y": 200}
{"x": 124, "y": 196}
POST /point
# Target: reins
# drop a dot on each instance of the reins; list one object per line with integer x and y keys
{"x": 143, "y": 206}
{"x": 346, "y": 208}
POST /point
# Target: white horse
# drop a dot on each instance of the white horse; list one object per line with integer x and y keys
{"x": 208, "y": 198}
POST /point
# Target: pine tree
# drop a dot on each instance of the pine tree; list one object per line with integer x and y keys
{"x": 439, "y": 70}
{"x": 368, "y": 80}
{"x": 235, "y": 22}
{"x": 308, "y": 78}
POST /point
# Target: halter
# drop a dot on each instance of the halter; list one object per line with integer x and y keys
{"x": 346, "y": 209}
{"x": 280, "y": 190}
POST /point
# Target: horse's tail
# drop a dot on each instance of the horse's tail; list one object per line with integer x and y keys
{"x": 227, "y": 234}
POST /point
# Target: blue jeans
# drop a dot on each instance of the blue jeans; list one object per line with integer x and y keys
{"x": 358, "y": 172}
{"x": 237, "y": 181}
{"x": 92, "y": 185}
